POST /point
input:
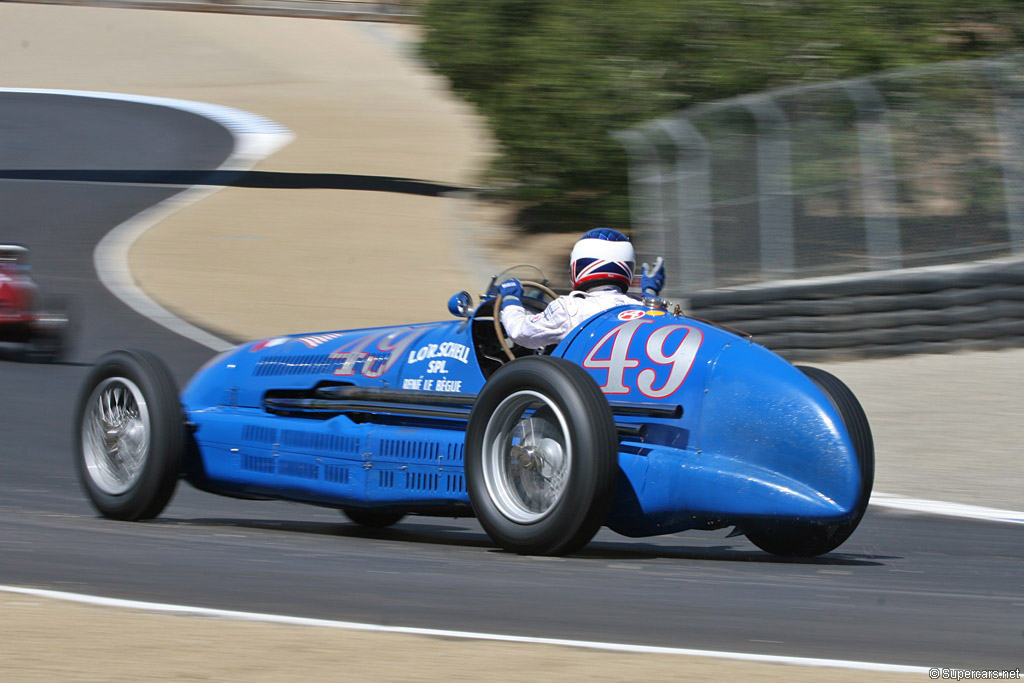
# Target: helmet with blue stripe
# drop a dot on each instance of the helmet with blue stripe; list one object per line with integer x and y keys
{"x": 602, "y": 257}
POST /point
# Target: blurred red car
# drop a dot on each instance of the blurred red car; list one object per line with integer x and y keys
{"x": 36, "y": 332}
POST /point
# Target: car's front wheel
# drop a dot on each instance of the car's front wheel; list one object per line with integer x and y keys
{"x": 541, "y": 456}
{"x": 129, "y": 435}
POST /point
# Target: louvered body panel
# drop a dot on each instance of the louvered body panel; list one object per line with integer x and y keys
{"x": 336, "y": 462}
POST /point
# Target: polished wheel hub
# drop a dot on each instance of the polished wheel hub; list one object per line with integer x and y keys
{"x": 527, "y": 457}
{"x": 115, "y": 435}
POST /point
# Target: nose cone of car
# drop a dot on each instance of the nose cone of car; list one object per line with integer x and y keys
{"x": 778, "y": 444}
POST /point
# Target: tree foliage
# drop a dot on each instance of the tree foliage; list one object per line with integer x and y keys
{"x": 555, "y": 78}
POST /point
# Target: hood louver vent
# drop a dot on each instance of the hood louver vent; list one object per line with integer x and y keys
{"x": 310, "y": 442}
{"x": 336, "y": 474}
{"x": 456, "y": 483}
{"x": 304, "y": 364}
{"x": 455, "y": 453}
{"x": 258, "y": 434}
{"x": 302, "y": 470}
{"x": 254, "y": 463}
{"x": 410, "y": 450}
{"x": 420, "y": 481}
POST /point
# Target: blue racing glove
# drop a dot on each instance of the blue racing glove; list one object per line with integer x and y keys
{"x": 511, "y": 292}
{"x": 652, "y": 278}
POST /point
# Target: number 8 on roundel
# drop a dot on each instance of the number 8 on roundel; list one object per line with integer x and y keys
{"x": 680, "y": 360}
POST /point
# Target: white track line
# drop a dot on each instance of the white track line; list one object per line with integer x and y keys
{"x": 442, "y": 633}
{"x": 255, "y": 139}
{"x": 938, "y": 507}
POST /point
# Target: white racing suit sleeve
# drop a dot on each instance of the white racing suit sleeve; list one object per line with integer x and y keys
{"x": 536, "y": 331}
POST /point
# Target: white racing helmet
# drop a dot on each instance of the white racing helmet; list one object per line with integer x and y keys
{"x": 602, "y": 257}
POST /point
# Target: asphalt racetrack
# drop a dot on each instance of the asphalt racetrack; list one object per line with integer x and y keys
{"x": 905, "y": 589}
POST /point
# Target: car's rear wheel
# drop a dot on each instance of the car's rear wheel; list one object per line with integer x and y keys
{"x": 541, "y": 451}
{"x": 373, "y": 519}
{"x": 809, "y": 540}
{"x": 129, "y": 435}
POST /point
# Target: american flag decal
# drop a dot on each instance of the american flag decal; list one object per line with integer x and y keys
{"x": 315, "y": 340}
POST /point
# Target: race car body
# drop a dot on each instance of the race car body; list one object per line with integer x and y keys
{"x": 642, "y": 420}
{"x": 17, "y": 290}
{"x": 35, "y": 331}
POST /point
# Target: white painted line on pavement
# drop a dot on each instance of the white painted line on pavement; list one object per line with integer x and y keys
{"x": 255, "y": 137}
{"x": 468, "y": 635}
{"x": 938, "y": 507}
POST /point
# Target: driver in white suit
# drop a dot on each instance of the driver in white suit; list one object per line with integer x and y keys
{"x": 601, "y": 270}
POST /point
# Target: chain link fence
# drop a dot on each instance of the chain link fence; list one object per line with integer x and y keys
{"x": 916, "y": 168}
{"x": 841, "y": 201}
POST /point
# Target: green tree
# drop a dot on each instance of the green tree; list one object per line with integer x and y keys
{"x": 555, "y": 78}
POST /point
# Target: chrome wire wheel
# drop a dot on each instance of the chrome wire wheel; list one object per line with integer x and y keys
{"x": 129, "y": 435}
{"x": 116, "y": 431}
{"x": 541, "y": 456}
{"x": 527, "y": 457}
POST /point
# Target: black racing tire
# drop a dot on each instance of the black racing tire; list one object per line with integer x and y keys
{"x": 45, "y": 347}
{"x": 541, "y": 456}
{"x": 50, "y": 334}
{"x": 129, "y": 435}
{"x": 809, "y": 540}
{"x": 373, "y": 519}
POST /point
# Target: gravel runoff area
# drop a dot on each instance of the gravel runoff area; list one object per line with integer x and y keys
{"x": 362, "y": 109}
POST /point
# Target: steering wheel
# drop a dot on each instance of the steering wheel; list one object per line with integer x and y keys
{"x": 498, "y": 330}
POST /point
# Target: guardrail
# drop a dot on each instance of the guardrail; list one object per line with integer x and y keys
{"x": 895, "y": 170}
{"x": 926, "y": 310}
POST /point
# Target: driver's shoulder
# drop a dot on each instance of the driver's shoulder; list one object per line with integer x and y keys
{"x": 562, "y": 306}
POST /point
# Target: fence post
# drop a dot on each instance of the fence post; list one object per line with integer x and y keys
{"x": 775, "y": 189}
{"x": 877, "y": 180}
{"x": 651, "y": 229}
{"x": 1010, "y": 130}
{"x": 693, "y": 247}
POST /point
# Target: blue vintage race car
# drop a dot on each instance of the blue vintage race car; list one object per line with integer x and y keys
{"x": 642, "y": 420}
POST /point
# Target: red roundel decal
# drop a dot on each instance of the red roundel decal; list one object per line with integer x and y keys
{"x": 631, "y": 315}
